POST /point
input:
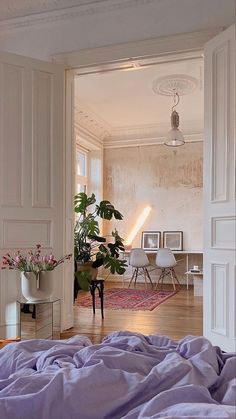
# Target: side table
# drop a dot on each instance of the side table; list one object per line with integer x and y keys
{"x": 39, "y": 319}
{"x": 197, "y": 282}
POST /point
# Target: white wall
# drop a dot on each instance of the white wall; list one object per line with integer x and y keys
{"x": 169, "y": 180}
{"x": 117, "y": 22}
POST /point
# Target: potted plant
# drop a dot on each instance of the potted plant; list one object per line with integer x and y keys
{"x": 91, "y": 249}
{"x": 36, "y": 269}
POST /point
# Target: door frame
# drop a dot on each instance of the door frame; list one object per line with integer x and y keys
{"x": 157, "y": 50}
{"x": 181, "y": 47}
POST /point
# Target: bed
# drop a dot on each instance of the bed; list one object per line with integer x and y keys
{"x": 128, "y": 376}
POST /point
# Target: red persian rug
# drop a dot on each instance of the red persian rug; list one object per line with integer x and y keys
{"x": 126, "y": 299}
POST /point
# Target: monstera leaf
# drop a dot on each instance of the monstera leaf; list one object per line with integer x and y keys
{"x": 92, "y": 227}
{"x": 106, "y": 211}
{"x": 82, "y": 201}
{"x": 114, "y": 265}
{"x": 108, "y": 256}
{"x": 99, "y": 261}
{"x": 82, "y": 254}
{"x": 98, "y": 239}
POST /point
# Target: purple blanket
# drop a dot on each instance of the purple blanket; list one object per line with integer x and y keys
{"x": 127, "y": 376}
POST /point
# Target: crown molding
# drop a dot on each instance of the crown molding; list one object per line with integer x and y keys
{"x": 137, "y": 142}
{"x": 18, "y": 8}
{"x": 87, "y": 139}
{"x": 42, "y": 15}
{"x": 90, "y": 121}
{"x": 90, "y": 126}
{"x": 150, "y": 130}
{"x": 150, "y": 134}
{"x": 137, "y": 136}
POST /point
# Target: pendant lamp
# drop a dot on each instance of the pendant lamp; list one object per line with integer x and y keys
{"x": 175, "y": 137}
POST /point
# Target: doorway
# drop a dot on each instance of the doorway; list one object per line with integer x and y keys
{"x": 108, "y": 97}
{"x": 189, "y": 46}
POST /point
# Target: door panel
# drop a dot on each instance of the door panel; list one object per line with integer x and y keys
{"x": 32, "y": 165}
{"x": 219, "y": 186}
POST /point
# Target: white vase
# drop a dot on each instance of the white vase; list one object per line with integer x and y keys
{"x": 37, "y": 287}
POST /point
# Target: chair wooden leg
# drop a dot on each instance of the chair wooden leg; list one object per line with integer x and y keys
{"x": 136, "y": 276}
{"x": 172, "y": 277}
{"x": 159, "y": 279}
{"x": 174, "y": 273}
{"x": 145, "y": 279}
{"x": 132, "y": 278}
{"x": 168, "y": 272}
{"x": 163, "y": 276}
{"x": 157, "y": 282}
{"x": 148, "y": 275}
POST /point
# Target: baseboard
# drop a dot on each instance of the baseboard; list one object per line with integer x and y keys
{"x": 126, "y": 279}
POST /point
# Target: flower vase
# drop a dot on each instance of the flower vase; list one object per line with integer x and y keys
{"x": 37, "y": 287}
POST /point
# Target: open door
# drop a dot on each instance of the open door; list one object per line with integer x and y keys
{"x": 219, "y": 184}
{"x": 33, "y": 176}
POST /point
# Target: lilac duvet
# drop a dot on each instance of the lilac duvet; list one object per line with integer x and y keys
{"x": 127, "y": 376}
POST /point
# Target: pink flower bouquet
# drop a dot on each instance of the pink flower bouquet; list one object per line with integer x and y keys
{"x": 33, "y": 262}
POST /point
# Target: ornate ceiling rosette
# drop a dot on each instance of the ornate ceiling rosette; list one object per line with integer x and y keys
{"x": 183, "y": 84}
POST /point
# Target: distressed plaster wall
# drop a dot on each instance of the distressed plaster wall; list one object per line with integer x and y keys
{"x": 169, "y": 180}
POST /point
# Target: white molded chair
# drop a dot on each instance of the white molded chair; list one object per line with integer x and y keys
{"x": 139, "y": 261}
{"x": 166, "y": 261}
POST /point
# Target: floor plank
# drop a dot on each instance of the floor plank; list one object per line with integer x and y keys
{"x": 177, "y": 317}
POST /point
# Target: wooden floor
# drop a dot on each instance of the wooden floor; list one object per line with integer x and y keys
{"x": 177, "y": 317}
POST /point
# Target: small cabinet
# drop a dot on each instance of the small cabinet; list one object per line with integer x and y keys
{"x": 39, "y": 320}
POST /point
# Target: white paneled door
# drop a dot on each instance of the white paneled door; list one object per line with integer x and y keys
{"x": 219, "y": 186}
{"x": 32, "y": 176}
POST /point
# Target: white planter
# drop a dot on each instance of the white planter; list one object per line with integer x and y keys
{"x": 37, "y": 288}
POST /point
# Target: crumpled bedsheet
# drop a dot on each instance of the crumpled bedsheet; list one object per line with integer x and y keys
{"x": 127, "y": 376}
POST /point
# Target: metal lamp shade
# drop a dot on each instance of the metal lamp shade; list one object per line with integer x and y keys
{"x": 175, "y": 137}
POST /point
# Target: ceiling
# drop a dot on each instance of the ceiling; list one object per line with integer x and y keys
{"x": 18, "y": 8}
{"x": 122, "y": 107}
{"x": 45, "y": 28}
{"x": 12, "y": 9}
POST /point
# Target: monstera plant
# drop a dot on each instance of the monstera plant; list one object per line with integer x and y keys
{"x": 93, "y": 250}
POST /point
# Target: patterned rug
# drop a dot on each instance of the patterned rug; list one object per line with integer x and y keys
{"x": 126, "y": 299}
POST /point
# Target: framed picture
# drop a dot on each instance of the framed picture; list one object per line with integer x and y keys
{"x": 173, "y": 240}
{"x": 151, "y": 240}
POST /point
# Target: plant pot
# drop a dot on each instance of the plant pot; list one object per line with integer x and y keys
{"x": 85, "y": 274}
{"x": 37, "y": 287}
{"x": 87, "y": 266}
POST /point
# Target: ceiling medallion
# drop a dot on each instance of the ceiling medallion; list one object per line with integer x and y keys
{"x": 181, "y": 83}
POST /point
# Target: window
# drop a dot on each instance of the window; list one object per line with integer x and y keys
{"x": 81, "y": 163}
{"x": 81, "y": 170}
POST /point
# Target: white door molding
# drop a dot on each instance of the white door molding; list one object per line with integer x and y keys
{"x": 219, "y": 301}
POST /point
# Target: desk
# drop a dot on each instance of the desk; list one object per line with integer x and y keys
{"x": 188, "y": 253}
{"x": 39, "y": 319}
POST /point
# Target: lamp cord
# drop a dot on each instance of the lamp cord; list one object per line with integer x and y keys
{"x": 176, "y": 95}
